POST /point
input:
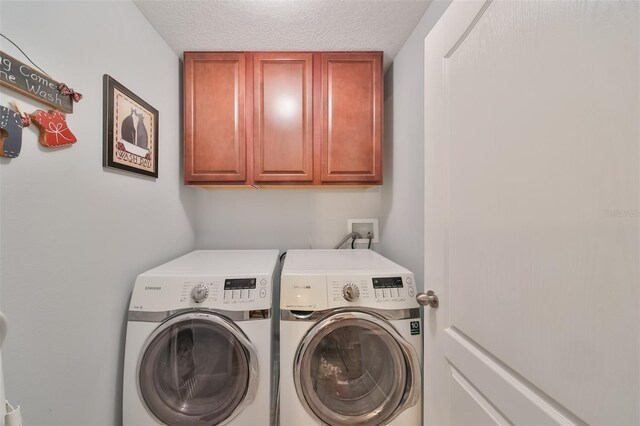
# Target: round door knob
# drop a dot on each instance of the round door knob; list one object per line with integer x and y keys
{"x": 199, "y": 293}
{"x": 350, "y": 292}
{"x": 428, "y": 299}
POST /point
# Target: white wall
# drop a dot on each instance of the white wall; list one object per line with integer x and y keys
{"x": 402, "y": 203}
{"x": 280, "y": 218}
{"x": 73, "y": 235}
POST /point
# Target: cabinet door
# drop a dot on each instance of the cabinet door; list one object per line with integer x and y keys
{"x": 352, "y": 117}
{"x": 214, "y": 121}
{"x": 283, "y": 117}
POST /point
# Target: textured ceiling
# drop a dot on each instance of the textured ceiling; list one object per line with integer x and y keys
{"x": 242, "y": 25}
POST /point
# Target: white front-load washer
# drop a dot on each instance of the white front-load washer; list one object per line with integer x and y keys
{"x": 350, "y": 344}
{"x": 198, "y": 347}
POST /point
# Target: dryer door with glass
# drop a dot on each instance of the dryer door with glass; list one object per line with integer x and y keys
{"x": 197, "y": 369}
{"x": 352, "y": 367}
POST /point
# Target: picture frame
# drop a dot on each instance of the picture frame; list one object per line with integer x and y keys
{"x": 130, "y": 131}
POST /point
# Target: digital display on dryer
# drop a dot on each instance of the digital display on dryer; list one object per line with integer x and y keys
{"x": 387, "y": 282}
{"x": 240, "y": 284}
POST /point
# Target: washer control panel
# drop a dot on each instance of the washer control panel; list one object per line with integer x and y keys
{"x": 386, "y": 292}
{"x": 389, "y": 288}
{"x": 350, "y": 292}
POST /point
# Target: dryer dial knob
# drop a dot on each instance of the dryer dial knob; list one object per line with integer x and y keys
{"x": 350, "y": 292}
{"x": 199, "y": 293}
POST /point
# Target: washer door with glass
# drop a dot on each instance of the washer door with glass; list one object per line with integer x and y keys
{"x": 197, "y": 369}
{"x": 353, "y": 368}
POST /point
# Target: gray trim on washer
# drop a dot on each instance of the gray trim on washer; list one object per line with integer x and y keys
{"x": 388, "y": 314}
{"x": 254, "y": 314}
{"x": 413, "y": 388}
{"x": 230, "y": 327}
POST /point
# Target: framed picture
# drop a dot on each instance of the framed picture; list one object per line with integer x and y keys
{"x": 130, "y": 131}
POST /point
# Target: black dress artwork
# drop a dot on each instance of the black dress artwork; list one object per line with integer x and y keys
{"x": 135, "y": 134}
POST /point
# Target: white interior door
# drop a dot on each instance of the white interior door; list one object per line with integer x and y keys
{"x": 532, "y": 213}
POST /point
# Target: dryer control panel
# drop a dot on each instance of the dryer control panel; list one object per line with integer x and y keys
{"x": 156, "y": 294}
{"x": 244, "y": 290}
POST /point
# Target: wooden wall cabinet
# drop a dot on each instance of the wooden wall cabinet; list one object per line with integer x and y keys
{"x": 351, "y": 118}
{"x": 283, "y": 117}
{"x": 214, "y": 118}
{"x": 279, "y": 118}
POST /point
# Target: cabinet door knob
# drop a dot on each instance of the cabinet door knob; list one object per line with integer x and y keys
{"x": 428, "y": 299}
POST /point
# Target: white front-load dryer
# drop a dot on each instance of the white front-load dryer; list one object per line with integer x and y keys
{"x": 198, "y": 347}
{"x": 350, "y": 344}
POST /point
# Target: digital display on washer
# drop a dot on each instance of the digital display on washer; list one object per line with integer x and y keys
{"x": 240, "y": 284}
{"x": 387, "y": 282}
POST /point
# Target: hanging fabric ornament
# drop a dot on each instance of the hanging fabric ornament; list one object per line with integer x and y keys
{"x": 66, "y": 91}
{"x": 10, "y": 133}
{"x": 53, "y": 128}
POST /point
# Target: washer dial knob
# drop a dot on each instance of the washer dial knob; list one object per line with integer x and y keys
{"x": 199, "y": 293}
{"x": 350, "y": 292}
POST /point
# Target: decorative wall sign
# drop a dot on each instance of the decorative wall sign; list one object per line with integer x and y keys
{"x": 130, "y": 131}
{"x": 27, "y": 80}
{"x": 53, "y": 128}
{"x": 10, "y": 133}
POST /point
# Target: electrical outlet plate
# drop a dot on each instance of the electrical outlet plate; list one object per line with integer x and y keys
{"x": 363, "y": 226}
